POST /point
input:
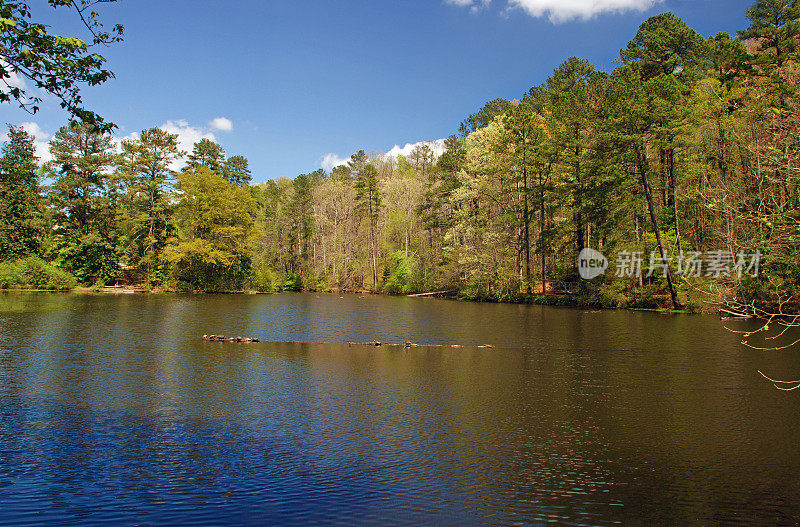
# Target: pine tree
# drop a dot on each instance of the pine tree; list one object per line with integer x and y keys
{"x": 83, "y": 206}
{"x": 21, "y": 227}
{"x": 301, "y": 218}
{"x": 775, "y": 25}
{"x": 206, "y": 153}
{"x": 665, "y": 45}
{"x": 144, "y": 172}
{"x": 236, "y": 169}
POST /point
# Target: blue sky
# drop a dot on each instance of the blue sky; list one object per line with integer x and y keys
{"x": 291, "y": 82}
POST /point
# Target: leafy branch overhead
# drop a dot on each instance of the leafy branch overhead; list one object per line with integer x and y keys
{"x": 55, "y": 64}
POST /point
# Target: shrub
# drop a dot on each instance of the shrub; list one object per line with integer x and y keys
{"x": 34, "y": 273}
{"x": 9, "y": 277}
{"x": 293, "y": 282}
{"x": 398, "y": 273}
{"x": 265, "y": 280}
{"x": 611, "y": 294}
{"x": 322, "y": 284}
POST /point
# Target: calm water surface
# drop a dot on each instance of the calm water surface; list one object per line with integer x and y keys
{"x": 113, "y": 410}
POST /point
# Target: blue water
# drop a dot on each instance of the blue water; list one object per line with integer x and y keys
{"x": 113, "y": 410}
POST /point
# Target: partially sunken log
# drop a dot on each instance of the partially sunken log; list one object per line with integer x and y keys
{"x": 377, "y": 343}
{"x": 223, "y": 338}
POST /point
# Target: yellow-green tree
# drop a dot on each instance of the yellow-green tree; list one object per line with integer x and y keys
{"x": 216, "y": 230}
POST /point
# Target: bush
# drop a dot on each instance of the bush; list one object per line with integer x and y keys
{"x": 265, "y": 280}
{"x": 651, "y": 296}
{"x": 475, "y": 290}
{"x": 9, "y": 277}
{"x": 293, "y": 282}
{"x": 611, "y": 294}
{"x": 34, "y": 273}
{"x": 398, "y": 273}
{"x": 322, "y": 284}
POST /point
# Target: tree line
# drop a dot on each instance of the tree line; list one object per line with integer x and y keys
{"x": 689, "y": 147}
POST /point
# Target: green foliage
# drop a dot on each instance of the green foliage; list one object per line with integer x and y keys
{"x": 357, "y": 162}
{"x": 21, "y": 227}
{"x": 484, "y": 116}
{"x": 399, "y": 273}
{"x": 689, "y": 145}
{"x": 207, "y": 153}
{"x": 236, "y": 169}
{"x": 34, "y": 273}
{"x": 55, "y": 64}
{"x": 665, "y": 45}
{"x": 90, "y": 258}
{"x": 774, "y": 25}
{"x": 729, "y": 57}
{"x": 8, "y": 275}
{"x": 368, "y": 195}
{"x": 301, "y": 222}
{"x": 609, "y": 294}
{"x": 82, "y": 203}
{"x": 215, "y": 230}
{"x": 368, "y": 205}
{"x": 293, "y": 282}
{"x": 145, "y": 218}
{"x": 265, "y": 280}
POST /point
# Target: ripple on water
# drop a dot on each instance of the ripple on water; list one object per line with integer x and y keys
{"x": 112, "y": 411}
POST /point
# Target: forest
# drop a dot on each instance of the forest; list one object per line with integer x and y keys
{"x": 689, "y": 147}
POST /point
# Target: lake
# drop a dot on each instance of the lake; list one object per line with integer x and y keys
{"x": 113, "y": 410}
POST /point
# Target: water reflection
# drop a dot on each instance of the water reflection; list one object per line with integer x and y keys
{"x": 112, "y": 409}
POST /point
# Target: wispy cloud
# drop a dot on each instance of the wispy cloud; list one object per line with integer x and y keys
{"x": 473, "y": 5}
{"x": 223, "y": 124}
{"x": 564, "y": 10}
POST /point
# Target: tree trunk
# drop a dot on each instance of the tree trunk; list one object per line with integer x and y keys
{"x": 673, "y": 185}
{"x": 526, "y": 227}
{"x": 651, "y": 209}
{"x": 578, "y": 216}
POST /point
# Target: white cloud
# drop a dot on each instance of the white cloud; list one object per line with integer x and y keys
{"x": 331, "y": 161}
{"x": 40, "y": 140}
{"x": 436, "y": 146}
{"x": 187, "y": 137}
{"x": 564, "y": 10}
{"x": 223, "y": 124}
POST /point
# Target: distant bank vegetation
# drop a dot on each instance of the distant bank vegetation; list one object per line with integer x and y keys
{"x": 690, "y": 146}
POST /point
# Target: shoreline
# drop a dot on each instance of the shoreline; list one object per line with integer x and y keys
{"x": 562, "y": 301}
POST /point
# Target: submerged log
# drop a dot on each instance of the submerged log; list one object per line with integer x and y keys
{"x": 377, "y": 343}
{"x": 223, "y": 338}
